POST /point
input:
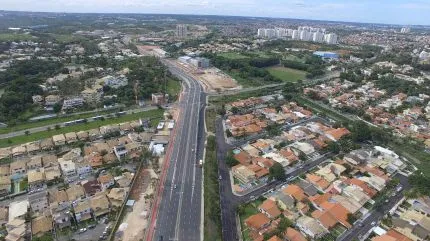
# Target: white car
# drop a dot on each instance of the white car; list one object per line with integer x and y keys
{"x": 82, "y": 230}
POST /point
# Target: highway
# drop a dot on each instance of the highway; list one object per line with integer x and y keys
{"x": 177, "y": 213}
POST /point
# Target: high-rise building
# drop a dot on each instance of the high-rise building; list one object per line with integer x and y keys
{"x": 270, "y": 33}
{"x": 405, "y": 30}
{"x": 295, "y": 35}
{"x": 261, "y": 32}
{"x": 318, "y": 37}
{"x": 280, "y": 32}
{"x": 330, "y": 38}
{"x": 305, "y": 35}
{"x": 181, "y": 30}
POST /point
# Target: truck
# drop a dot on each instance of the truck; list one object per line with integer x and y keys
{"x": 200, "y": 163}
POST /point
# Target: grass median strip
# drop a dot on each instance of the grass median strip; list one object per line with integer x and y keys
{"x": 155, "y": 115}
{"x": 29, "y": 125}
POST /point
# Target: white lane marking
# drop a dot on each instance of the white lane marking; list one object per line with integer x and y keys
{"x": 178, "y": 217}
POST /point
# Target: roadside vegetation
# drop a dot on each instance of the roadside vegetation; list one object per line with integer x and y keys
{"x": 154, "y": 115}
{"x": 212, "y": 212}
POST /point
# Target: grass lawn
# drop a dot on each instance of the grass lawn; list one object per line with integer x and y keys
{"x": 173, "y": 88}
{"x": 156, "y": 115}
{"x": 14, "y": 37}
{"x": 50, "y": 121}
{"x": 287, "y": 74}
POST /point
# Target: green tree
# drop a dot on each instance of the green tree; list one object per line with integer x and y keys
{"x": 276, "y": 172}
{"x": 57, "y": 108}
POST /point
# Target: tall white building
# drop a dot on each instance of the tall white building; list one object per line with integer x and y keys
{"x": 330, "y": 38}
{"x": 405, "y": 30}
{"x": 305, "y": 35}
{"x": 181, "y": 30}
{"x": 295, "y": 35}
{"x": 280, "y": 32}
{"x": 261, "y": 32}
{"x": 270, "y": 33}
{"x": 318, "y": 37}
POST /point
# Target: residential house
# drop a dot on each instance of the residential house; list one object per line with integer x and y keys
{"x": 71, "y": 137}
{"x": 307, "y": 187}
{"x": 62, "y": 219}
{"x": 18, "y": 169}
{"x": 52, "y": 174}
{"x": 412, "y": 223}
{"x": 59, "y": 140}
{"x": 5, "y": 186}
{"x": 94, "y": 134}
{"x": 99, "y": 205}
{"x": 51, "y": 100}
{"x": 117, "y": 196}
{"x": 319, "y": 182}
{"x": 68, "y": 168}
{"x": 49, "y": 160}
{"x": 47, "y": 144}
{"x": 106, "y": 181}
{"x": 391, "y": 235}
{"x": 292, "y": 234}
{"x": 331, "y": 215}
{"x": 18, "y": 209}
{"x": 3, "y": 216}
{"x": 82, "y": 210}
{"x": 83, "y": 168}
{"x": 5, "y": 153}
{"x": 82, "y": 135}
{"x": 34, "y": 163}
{"x": 285, "y": 201}
{"x": 120, "y": 151}
{"x": 125, "y": 179}
{"x": 5, "y": 170}
{"x": 295, "y": 191}
{"x": 91, "y": 187}
{"x": 16, "y": 230}
{"x": 270, "y": 209}
{"x": 73, "y": 102}
{"x": 257, "y": 222}
{"x": 19, "y": 151}
{"x": 36, "y": 180}
{"x": 243, "y": 173}
{"x": 75, "y": 193}
{"x": 33, "y": 147}
{"x": 95, "y": 159}
{"x": 311, "y": 227}
{"x": 38, "y": 201}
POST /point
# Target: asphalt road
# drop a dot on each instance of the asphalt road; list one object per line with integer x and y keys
{"x": 229, "y": 201}
{"x": 61, "y": 124}
{"x": 179, "y": 213}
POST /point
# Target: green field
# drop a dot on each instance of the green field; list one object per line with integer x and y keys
{"x": 14, "y": 37}
{"x": 233, "y": 55}
{"x": 155, "y": 115}
{"x": 287, "y": 74}
{"x": 173, "y": 87}
{"x": 51, "y": 121}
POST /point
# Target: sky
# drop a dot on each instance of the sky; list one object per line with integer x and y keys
{"x": 404, "y": 12}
